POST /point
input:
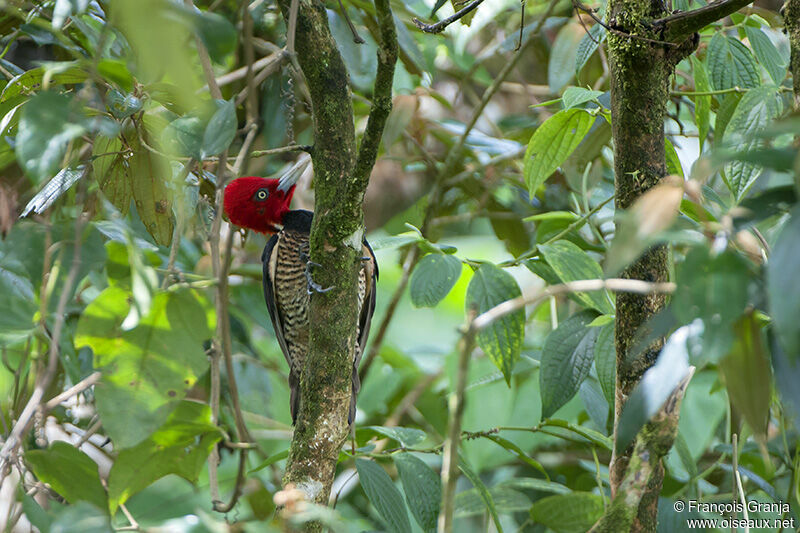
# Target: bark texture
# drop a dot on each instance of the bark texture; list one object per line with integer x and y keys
{"x": 341, "y": 178}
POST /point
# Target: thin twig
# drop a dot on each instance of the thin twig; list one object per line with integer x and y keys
{"x": 588, "y": 285}
{"x": 72, "y": 391}
{"x": 580, "y": 6}
{"x": 356, "y": 37}
{"x": 291, "y": 29}
{"x": 442, "y": 24}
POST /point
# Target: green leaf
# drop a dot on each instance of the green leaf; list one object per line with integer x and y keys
{"x": 110, "y": 172}
{"x": 657, "y": 384}
{"x": 783, "y": 291}
{"x": 407, "y": 437}
{"x": 560, "y": 67}
{"x": 530, "y": 483}
{"x": 702, "y": 104}
{"x": 17, "y": 299}
{"x": 502, "y": 340}
{"x": 767, "y": 54}
{"x": 506, "y": 500}
{"x": 566, "y": 361}
{"x": 82, "y": 517}
{"x": 69, "y": 472}
{"x": 568, "y": 513}
{"x": 748, "y": 375}
{"x": 673, "y": 161}
{"x": 589, "y": 43}
{"x": 552, "y": 143}
{"x": 731, "y": 64}
{"x": 47, "y": 125}
{"x": 605, "y": 361}
{"x": 149, "y": 369}
{"x": 149, "y": 174}
{"x": 383, "y": 495}
{"x": 575, "y": 96}
{"x": 754, "y": 112}
{"x": 571, "y": 263}
{"x": 423, "y": 489}
{"x": 713, "y": 288}
{"x": 184, "y": 137}
{"x": 723, "y": 116}
{"x": 220, "y": 130}
{"x": 217, "y": 33}
{"x": 484, "y": 493}
{"x": 31, "y": 81}
{"x": 432, "y": 279}
{"x": 181, "y": 446}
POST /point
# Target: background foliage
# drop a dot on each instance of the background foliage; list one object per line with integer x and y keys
{"x": 108, "y": 145}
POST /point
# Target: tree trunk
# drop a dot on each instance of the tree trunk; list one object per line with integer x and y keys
{"x": 340, "y": 178}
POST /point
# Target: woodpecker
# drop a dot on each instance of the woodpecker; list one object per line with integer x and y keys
{"x": 262, "y": 205}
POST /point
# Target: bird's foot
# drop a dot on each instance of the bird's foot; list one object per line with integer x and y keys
{"x": 313, "y": 286}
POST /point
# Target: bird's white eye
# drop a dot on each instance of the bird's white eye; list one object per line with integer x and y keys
{"x": 261, "y": 195}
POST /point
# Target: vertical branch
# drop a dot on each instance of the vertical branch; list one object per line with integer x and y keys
{"x": 456, "y": 409}
{"x": 340, "y": 179}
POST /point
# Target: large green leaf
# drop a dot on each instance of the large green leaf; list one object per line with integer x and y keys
{"x": 754, "y": 112}
{"x": 783, "y": 290}
{"x": 566, "y": 361}
{"x": 181, "y": 446}
{"x": 552, "y": 143}
{"x": 146, "y": 370}
{"x": 502, "y": 340}
{"x": 571, "y": 263}
{"x": 568, "y": 513}
{"x": 48, "y": 123}
{"x": 767, "y": 54}
{"x": 220, "y": 130}
{"x": 748, "y": 375}
{"x": 506, "y": 500}
{"x": 423, "y": 489}
{"x": 216, "y": 32}
{"x": 69, "y": 472}
{"x": 713, "y": 288}
{"x": 731, "y": 63}
{"x": 605, "y": 361}
{"x": 149, "y": 174}
{"x": 110, "y": 172}
{"x": 589, "y": 43}
{"x": 383, "y": 495}
{"x": 432, "y": 279}
{"x": 407, "y": 437}
{"x": 17, "y": 300}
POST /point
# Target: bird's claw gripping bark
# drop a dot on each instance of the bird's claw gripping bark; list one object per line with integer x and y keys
{"x": 313, "y": 286}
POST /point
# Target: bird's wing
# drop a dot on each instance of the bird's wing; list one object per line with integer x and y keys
{"x": 269, "y": 259}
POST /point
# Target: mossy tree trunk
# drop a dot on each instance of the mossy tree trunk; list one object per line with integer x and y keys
{"x": 645, "y": 44}
{"x": 341, "y": 174}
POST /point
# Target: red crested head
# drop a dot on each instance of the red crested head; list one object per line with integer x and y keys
{"x": 257, "y": 203}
